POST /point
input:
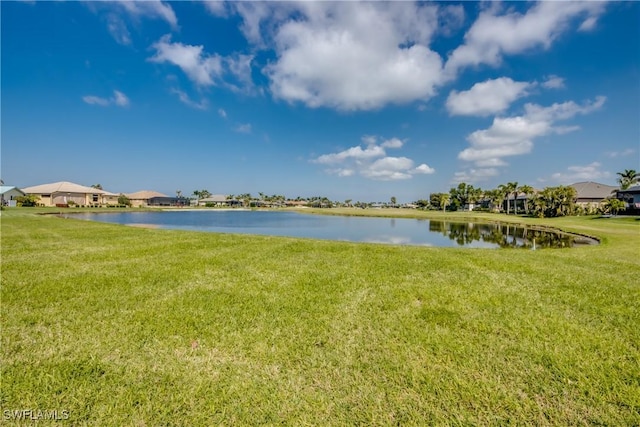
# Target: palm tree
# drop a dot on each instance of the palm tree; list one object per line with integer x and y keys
{"x": 501, "y": 191}
{"x": 493, "y": 196}
{"x": 507, "y": 189}
{"x": 628, "y": 178}
{"x": 513, "y": 186}
{"x": 444, "y": 200}
{"x": 614, "y": 205}
{"x": 527, "y": 190}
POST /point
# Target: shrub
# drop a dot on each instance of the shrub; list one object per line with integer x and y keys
{"x": 29, "y": 200}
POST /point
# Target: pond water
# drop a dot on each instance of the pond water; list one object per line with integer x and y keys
{"x": 399, "y": 231}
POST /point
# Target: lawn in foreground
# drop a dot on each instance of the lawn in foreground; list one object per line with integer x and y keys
{"x": 126, "y": 326}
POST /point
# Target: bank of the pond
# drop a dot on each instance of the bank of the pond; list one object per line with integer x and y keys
{"x": 123, "y": 325}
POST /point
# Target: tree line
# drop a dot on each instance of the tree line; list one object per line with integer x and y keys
{"x": 511, "y": 197}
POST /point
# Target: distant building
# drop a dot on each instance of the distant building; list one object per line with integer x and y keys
{"x": 631, "y": 196}
{"x": 64, "y": 193}
{"x": 219, "y": 200}
{"x": 142, "y": 198}
{"x": 592, "y": 194}
{"x": 520, "y": 204}
{"x": 8, "y": 195}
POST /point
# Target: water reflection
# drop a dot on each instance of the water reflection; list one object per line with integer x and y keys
{"x": 401, "y": 231}
{"x": 506, "y": 235}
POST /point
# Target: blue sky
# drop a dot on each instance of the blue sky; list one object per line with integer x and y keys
{"x": 347, "y": 100}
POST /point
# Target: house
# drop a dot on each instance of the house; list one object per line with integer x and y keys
{"x": 8, "y": 195}
{"x": 296, "y": 203}
{"x": 219, "y": 200}
{"x": 168, "y": 201}
{"x": 520, "y": 201}
{"x": 631, "y": 196}
{"x": 592, "y": 194}
{"x": 64, "y": 193}
{"x": 142, "y": 198}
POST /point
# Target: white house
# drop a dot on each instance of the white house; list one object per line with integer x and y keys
{"x": 8, "y": 195}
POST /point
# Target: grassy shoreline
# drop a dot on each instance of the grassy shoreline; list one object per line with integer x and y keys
{"x": 122, "y": 325}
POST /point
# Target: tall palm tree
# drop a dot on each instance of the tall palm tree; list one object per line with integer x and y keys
{"x": 444, "y": 200}
{"x": 513, "y": 186}
{"x": 628, "y": 178}
{"x": 502, "y": 191}
{"x": 509, "y": 188}
{"x": 527, "y": 190}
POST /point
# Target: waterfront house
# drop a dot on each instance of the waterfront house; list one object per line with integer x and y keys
{"x": 143, "y": 197}
{"x": 592, "y": 194}
{"x": 66, "y": 193}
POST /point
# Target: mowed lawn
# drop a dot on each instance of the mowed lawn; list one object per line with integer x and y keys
{"x": 129, "y": 326}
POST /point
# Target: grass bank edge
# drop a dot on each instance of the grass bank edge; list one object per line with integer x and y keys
{"x": 570, "y": 224}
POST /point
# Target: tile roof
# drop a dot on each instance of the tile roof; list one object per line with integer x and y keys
{"x": 216, "y": 198}
{"x": 64, "y": 187}
{"x": 145, "y": 195}
{"x": 593, "y": 190}
{"x": 7, "y": 188}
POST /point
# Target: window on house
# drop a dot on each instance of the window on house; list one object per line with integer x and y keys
{"x": 95, "y": 198}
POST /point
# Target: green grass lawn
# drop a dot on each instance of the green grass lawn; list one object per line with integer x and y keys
{"x": 127, "y": 326}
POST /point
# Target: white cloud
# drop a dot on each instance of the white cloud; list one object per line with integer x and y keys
{"x": 184, "y": 98}
{"x": 563, "y": 111}
{"x": 389, "y": 169}
{"x": 424, "y": 169}
{"x": 150, "y": 9}
{"x": 259, "y": 17}
{"x": 590, "y": 172}
{"x": 119, "y": 11}
{"x": 118, "y": 29}
{"x": 474, "y": 175}
{"x": 488, "y": 97}
{"x": 369, "y": 139}
{"x": 511, "y": 136}
{"x": 588, "y": 24}
{"x": 345, "y": 172}
{"x": 623, "y": 153}
{"x": 356, "y": 153}
{"x": 238, "y": 76}
{"x": 244, "y": 128}
{"x": 393, "y": 143}
{"x": 492, "y": 36}
{"x": 201, "y": 68}
{"x": 216, "y": 8}
{"x": 372, "y": 161}
{"x": 356, "y": 56}
{"x": 96, "y": 100}
{"x": 553, "y": 82}
{"x": 233, "y": 72}
{"x": 222, "y": 113}
{"x": 118, "y": 98}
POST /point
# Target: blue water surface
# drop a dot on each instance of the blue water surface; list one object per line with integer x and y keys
{"x": 398, "y": 231}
